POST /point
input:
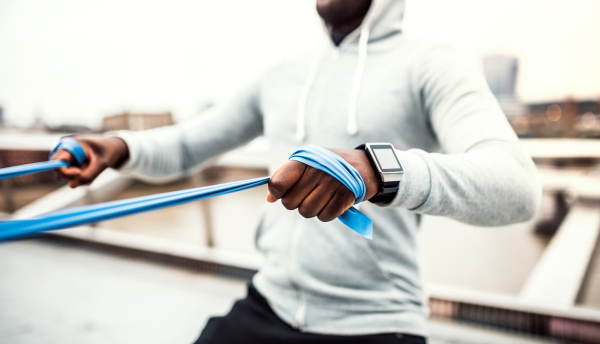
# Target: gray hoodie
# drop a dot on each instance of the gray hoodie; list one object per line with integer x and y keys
{"x": 461, "y": 157}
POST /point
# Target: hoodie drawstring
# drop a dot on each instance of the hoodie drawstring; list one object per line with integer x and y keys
{"x": 301, "y": 111}
{"x": 352, "y": 125}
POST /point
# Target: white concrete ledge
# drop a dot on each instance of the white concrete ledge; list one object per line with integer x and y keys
{"x": 106, "y": 186}
{"x": 561, "y": 148}
{"x": 577, "y": 183}
{"x": 558, "y": 275}
{"x": 509, "y": 302}
{"x": 162, "y": 246}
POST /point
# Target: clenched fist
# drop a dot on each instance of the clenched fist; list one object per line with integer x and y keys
{"x": 316, "y": 193}
{"x": 100, "y": 153}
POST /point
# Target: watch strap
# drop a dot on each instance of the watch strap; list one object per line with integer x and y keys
{"x": 387, "y": 191}
{"x": 383, "y": 198}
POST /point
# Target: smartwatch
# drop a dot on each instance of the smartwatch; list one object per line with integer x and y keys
{"x": 384, "y": 160}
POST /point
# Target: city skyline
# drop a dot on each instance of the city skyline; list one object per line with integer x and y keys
{"x": 76, "y": 62}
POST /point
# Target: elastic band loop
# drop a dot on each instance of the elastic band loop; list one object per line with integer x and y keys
{"x": 72, "y": 146}
{"x": 332, "y": 164}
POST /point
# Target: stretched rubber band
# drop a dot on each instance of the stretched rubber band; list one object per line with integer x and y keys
{"x": 332, "y": 164}
{"x": 15, "y": 171}
{"x": 88, "y": 214}
{"x": 66, "y": 143}
{"x": 94, "y": 213}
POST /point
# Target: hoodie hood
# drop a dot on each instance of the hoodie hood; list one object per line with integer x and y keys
{"x": 383, "y": 20}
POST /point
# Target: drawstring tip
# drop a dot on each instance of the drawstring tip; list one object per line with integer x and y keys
{"x": 300, "y": 136}
{"x": 352, "y": 129}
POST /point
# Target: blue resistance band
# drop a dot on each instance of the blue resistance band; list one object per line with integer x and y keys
{"x": 88, "y": 214}
{"x": 66, "y": 143}
{"x": 332, "y": 164}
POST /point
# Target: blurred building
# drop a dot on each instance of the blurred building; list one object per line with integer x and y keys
{"x": 72, "y": 129}
{"x": 130, "y": 121}
{"x": 19, "y": 147}
{"x": 501, "y": 74}
{"x": 562, "y": 118}
{"x": 25, "y": 147}
{"x": 567, "y": 118}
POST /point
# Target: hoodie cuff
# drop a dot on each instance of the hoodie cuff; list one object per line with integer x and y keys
{"x": 416, "y": 182}
{"x": 132, "y": 145}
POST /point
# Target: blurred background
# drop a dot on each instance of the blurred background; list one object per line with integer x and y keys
{"x": 90, "y": 66}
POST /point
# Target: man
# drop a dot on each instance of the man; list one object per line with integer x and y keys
{"x": 321, "y": 282}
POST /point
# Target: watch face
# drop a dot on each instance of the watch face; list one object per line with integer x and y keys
{"x": 386, "y": 158}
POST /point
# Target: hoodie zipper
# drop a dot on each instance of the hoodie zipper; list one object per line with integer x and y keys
{"x": 301, "y": 310}
{"x": 335, "y": 55}
{"x": 299, "y": 317}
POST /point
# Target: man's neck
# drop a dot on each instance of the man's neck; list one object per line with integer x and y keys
{"x": 338, "y": 33}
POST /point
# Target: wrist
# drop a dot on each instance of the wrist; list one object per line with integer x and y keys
{"x": 388, "y": 170}
{"x": 359, "y": 160}
{"x": 369, "y": 175}
{"x": 117, "y": 150}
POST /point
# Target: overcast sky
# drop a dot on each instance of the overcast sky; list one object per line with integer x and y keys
{"x": 75, "y": 61}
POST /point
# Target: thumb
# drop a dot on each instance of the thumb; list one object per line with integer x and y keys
{"x": 67, "y": 171}
{"x": 271, "y": 198}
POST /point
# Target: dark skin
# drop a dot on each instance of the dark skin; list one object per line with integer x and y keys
{"x": 100, "y": 153}
{"x": 298, "y": 186}
{"x": 316, "y": 193}
{"x": 342, "y": 16}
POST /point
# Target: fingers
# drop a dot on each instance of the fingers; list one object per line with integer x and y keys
{"x": 303, "y": 187}
{"x": 311, "y": 191}
{"x": 314, "y": 203}
{"x": 84, "y": 174}
{"x": 339, "y": 203}
{"x": 68, "y": 172}
{"x": 89, "y": 173}
{"x": 71, "y": 173}
{"x": 63, "y": 155}
{"x": 271, "y": 198}
{"x": 100, "y": 154}
{"x": 285, "y": 178}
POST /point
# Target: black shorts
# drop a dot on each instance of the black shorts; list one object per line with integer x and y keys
{"x": 251, "y": 320}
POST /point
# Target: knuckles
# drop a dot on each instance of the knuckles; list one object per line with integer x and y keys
{"x": 307, "y": 211}
{"x": 288, "y": 203}
{"x": 346, "y": 197}
{"x": 103, "y": 165}
{"x": 277, "y": 187}
{"x": 84, "y": 180}
{"x": 287, "y": 176}
{"x": 325, "y": 217}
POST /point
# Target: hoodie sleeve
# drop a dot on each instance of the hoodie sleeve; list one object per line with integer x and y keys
{"x": 483, "y": 178}
{"x": 168, "y": 153}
